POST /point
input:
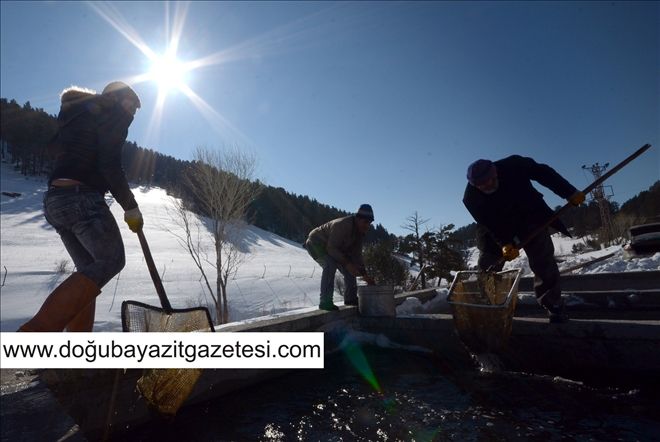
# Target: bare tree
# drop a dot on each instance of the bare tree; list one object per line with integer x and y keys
{"x": 219, "y": 186}
{"x": 415, "y": 243}
{"x": 620, "y": 228}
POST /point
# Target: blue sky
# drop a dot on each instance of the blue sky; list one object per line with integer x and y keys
{"x": 385, "y": 103}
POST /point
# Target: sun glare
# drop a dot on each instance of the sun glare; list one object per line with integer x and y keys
{"x": 165, "y": 70}
{"x": 168, "y": 73}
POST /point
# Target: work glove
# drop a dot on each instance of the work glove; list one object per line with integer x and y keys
{"x": 134, "y": 219}
{"x": 577, "y": 198}
{"x": 510, "y": 252}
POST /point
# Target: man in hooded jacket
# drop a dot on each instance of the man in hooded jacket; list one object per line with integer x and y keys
{"x": 88, "y": 146}
{"x": 507, "y": 208}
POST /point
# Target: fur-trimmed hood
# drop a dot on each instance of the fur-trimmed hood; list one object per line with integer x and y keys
{"x": 75, "y": 94}
{"x": 76, "y": 100}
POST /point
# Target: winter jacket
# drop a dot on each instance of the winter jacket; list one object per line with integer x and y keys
{"x": 341, "y": 240}
{"x": 88, "y": 146}
{"x": 515, "y": 209}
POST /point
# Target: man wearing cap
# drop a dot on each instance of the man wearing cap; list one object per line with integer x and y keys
{"x": 337, "y": 245}
{"x": 507, "y": 209}
{"x": 87, "y": 148}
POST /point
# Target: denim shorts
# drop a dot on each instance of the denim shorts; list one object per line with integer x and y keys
{"x": 88, "y": 230}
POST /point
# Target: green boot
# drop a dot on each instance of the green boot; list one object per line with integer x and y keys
{"x": 328, "y": 305}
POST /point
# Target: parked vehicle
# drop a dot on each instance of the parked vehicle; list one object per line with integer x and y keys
{"x": 645, "y": 238}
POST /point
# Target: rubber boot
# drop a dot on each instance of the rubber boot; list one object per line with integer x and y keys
{"x": 329, "y": 306}
{"x": 84, "y": 322}
{"x": 63, "y": 304}
{"x": 556, "y": 310}
{"x": 557, "y": 314}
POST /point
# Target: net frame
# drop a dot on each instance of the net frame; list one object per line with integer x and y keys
{"x": 166, "y": 389}
{"x": 483, "y": 305}
{"x": 127, "y": 324}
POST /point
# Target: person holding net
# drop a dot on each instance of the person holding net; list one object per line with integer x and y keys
{"x": 508, "y": 209}
{"x": 87, "y": 147}
{"x": 337, "y": 245}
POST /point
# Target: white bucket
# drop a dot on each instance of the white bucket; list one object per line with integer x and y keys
{"x": 376, "y": 300}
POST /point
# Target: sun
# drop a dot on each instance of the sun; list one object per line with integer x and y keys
{"x": 168, "y": 72}
{"x": 165, "y": 70}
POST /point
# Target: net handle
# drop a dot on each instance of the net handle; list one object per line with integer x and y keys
{"x": 155, "y": 277}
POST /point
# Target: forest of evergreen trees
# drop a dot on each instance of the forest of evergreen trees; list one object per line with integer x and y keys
{"x": 27, "y": 131}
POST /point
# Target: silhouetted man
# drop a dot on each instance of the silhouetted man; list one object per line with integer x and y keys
{"x": 507, "y": 208}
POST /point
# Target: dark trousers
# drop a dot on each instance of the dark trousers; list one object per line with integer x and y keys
{"x": 330, "y": 267}
{"x": 541, "y": 256}
{"x": 88, "y": 230}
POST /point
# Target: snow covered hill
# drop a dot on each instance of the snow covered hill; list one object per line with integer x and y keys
{"x": 278, "y": 275}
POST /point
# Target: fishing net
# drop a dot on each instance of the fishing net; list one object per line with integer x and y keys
{"x": 483, "y": 305}
{"x": 165, "y": 389}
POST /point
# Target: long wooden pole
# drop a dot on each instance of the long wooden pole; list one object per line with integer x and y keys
{"x": 155, "y": 277}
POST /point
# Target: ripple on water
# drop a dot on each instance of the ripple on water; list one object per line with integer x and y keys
{"x": 420, "y": 401}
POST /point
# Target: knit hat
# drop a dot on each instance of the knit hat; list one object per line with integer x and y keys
{"x": 365, "y": 212}
{"x": 480, "y": 172}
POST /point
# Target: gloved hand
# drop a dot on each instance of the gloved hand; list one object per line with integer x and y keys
{"x": 577, "y": 198}
{"x": 134, "y": 219}
{"x": 510, "y": 252}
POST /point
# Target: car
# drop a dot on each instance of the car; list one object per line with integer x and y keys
{"x": 645, "y": 238}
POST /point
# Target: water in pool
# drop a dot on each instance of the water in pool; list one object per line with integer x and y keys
{"x": 420, "y": 400}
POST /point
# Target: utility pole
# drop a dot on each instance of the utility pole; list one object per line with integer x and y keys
{"x": 598, "y": 194}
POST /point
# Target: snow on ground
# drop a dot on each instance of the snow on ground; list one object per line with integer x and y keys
{"x": 563, "y": 253}
{"x": 278, "y": 275}
{"x": 618, "y": 264}
{"x": 413, "y": 306}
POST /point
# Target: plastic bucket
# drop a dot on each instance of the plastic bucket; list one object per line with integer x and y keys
{"x": 376, "y": 300}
